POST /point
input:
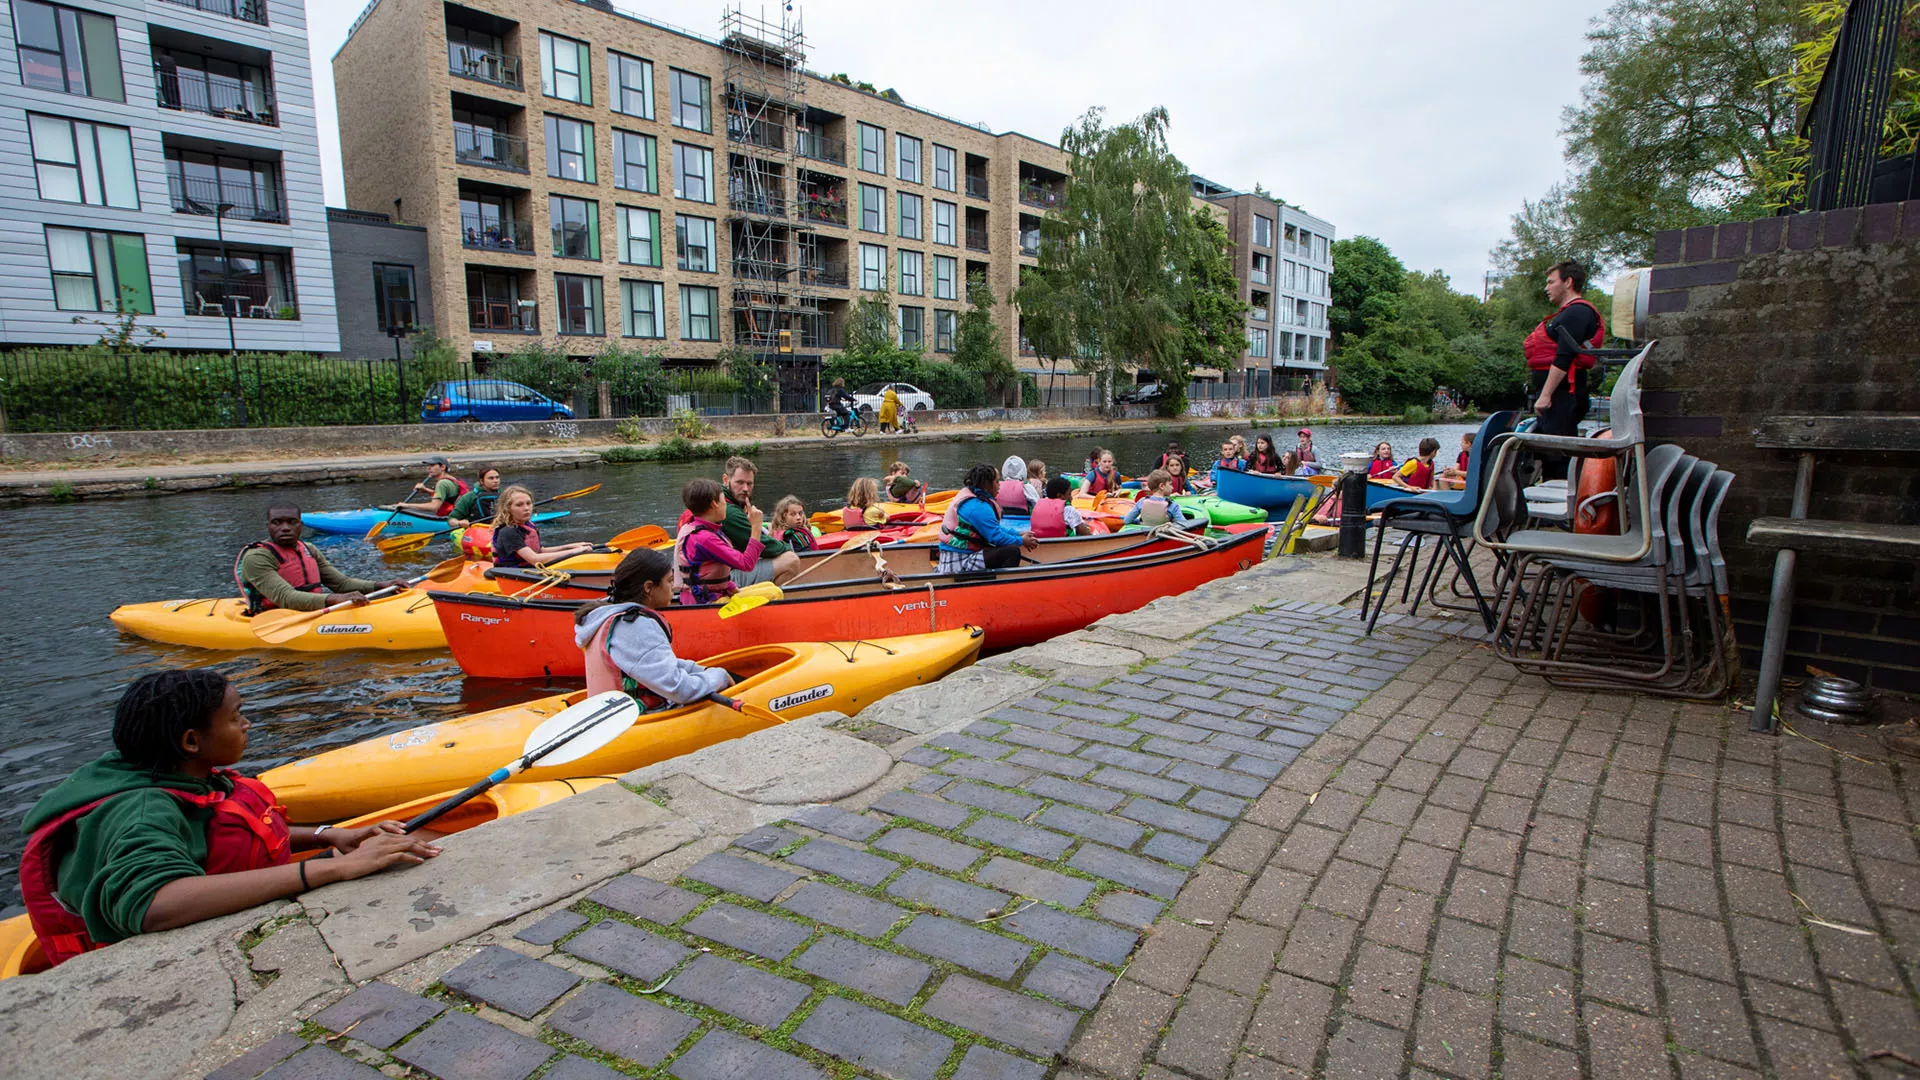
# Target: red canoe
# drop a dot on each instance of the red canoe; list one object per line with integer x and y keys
{"x": 494, "y": 636}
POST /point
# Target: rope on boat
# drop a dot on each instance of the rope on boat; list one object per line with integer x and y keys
{"x": 848, "y": 653}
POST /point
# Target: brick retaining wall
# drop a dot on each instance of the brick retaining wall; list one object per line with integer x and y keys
{"x": 1815, "y": 313}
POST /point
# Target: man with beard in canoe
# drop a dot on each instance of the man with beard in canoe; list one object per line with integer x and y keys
{"x": 777, "y": 562}
{"x": 284, "y": 571}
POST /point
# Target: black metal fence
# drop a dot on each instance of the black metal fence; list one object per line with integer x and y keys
{"x": 1846, "y": 123}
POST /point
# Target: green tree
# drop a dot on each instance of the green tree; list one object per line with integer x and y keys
{"x": 977, "y": 346}
{"x": 1213, "y": 318}
{"x": 1109, "y": 288}
{"x": 1366, "y": 281}
{"x": 745, "y": 367}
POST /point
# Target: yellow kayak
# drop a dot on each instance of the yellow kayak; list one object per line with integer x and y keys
{"x": 20, "y": 951}
{"x": 791, "y": 680}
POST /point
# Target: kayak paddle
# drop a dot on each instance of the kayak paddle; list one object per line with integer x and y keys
{"x": 381, "y": 527}
{"x": 644, "y": 536}
{"x": 752, "y": 596}
{"x": 568, "y": 735}
{"x": 395, "y": 545}
{"x": 277, "y": 626}
{"x": 747, "y": 707}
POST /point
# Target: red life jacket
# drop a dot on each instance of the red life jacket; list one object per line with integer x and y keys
{"x": 1540, "y": 348}
{"x": 1012, "y": 495}
{"x": 1180, "y": 483}
{"x": 512, "y": 558}
{"x": 446, "y": 508}
{"x": 1422, "y": 475}
{"x": 298, "y": 567}
{"x": 248, "y": 831}
{"x": 604, "y": 675}
{"x": 1049, "y": 518}
{"x": 1097, "y": 482}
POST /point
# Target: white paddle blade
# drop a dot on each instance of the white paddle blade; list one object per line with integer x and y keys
{"x": 606, "y": 716}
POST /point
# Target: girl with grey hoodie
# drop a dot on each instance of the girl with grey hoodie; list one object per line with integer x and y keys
{"x": 629, "y": 646}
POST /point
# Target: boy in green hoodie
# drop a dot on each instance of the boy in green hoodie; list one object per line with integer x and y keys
{"x": 157, "y": 833}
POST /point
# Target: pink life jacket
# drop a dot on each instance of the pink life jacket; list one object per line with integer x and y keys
{"x": 248, "y": 831}
{"x": 853, "y": 517}
{"x": 297, "y": 567}
{"x": 1013, "y": 496}
{"x": 950, "y": 521}
{"x": 1050, "y": 518}
{"x": 604, "y": 675}
{"x": 706, "y": 579}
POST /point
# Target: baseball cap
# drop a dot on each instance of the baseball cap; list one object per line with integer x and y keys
{"x": 1304, "y": 431}
{"x": 437, "y": 459}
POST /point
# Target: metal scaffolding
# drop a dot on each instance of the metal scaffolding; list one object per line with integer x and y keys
{"x": 765, "y": 88}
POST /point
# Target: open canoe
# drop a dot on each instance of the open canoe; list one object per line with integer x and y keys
{"x": 494, "y": 636}
{"x": 1275, "y": 493}
{"x": 20, "y": 951}
{"x": 357, "y": 522}
{"x": 791, "y": 680}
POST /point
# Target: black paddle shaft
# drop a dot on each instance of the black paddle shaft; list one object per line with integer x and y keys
{"x": 503, "y": 772}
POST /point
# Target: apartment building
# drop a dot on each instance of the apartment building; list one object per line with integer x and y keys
{"x": 161, "y": 154}
{"x": 1283, "y": 258}
{"x": 588, "y": 176}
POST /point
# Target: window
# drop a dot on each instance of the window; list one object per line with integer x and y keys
{"x": 944, "y": 286}
{"x": 99, "y": 271}
{"x": 639, "y": 237}
{"x": 1291, "y": 278}
{"x": 579, "y": 300}
{"x": 197, "y": 183}
{"x": 913, "y": 323}
{"x": 240, "y": 282}
{"x": 911, "y": 264}
{"x": 692, "y": 101}
{"x": 393, "y": 296}
{"x": 693, "y": 239}
{"x": 570, "y": 150}
{"x": 1319, "y": 317}
{"x": 873, "y": 267}
{"x": 1317, "y": 349}
{"x": 630, "y": 81}
{"x": 943, "y": 217}
{"x": 910, "y": 227}
{"x": 83, "y": 163}
{"x": 1262, "y": 268}
{"x": 943, "y": 322}
{"x": 873, "y": 149}
{"x": 204, "y": 84}
{"x": 697, "y": 306}
{"x": 1256, "y": 342}
{"x": 1260, "y": 305}
{"x": 1262, "y": 231}
{"x": 1320, "y": 249}
{"x": 1300, "y": 313}
{"x": 576, "y": 227}
{"x": 1292, "y": 235}
{"x": 1320, "y": 283}
{"x": 633, "y": 162}
{"x": 73, "y": 52}
{"x": 943, "y": 168}
{"x": 873, "y": 208}
{"x": 906, "y": 158}
{"x": 565, "y": 70}
{"x": 692, "y": 172}
{"x": 645, "y": 310}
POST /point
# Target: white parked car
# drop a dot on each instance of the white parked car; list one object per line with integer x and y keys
{"x": 867, "y": 398}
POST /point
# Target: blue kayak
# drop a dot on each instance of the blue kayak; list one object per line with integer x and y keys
{"x": 1275, "y": 493}
{"x": 357, "y": 522}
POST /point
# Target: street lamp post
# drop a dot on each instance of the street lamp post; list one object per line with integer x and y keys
{"x": 219, "y": 213}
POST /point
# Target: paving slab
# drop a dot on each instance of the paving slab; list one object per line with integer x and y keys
{"x": 509, "y": 981}
{"x": 645, "y": 898}
{"x": 379, "y": 1014}
{"x": 1064, "y": 979}
{"x": 734, "y": 874}
{"x": 850, "y": 911}
{"x": 873, "y": 1040}
{"x": 749, "y": 931}
{"x": 622, "y": 1024}
{"x": 738, "y": 990}
{"x": 843, "y": 862}
{"x": 320, "y": 1063}
{"x": 969, "y": 946}
{"x": 1014, "y": 1019}
{"x": 937, "y": 891}
{"x": 722, "y": 1055}
{"x": 886, "y": 975}
{"x": 628, "y": 950}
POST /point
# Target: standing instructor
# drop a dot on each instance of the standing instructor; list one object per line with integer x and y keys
{"x": 1558, "y": 365}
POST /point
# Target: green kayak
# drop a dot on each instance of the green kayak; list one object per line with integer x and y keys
{"x": 1221, "y": 512}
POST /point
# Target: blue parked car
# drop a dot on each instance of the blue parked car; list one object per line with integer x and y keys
{"x": 488, "y": 399}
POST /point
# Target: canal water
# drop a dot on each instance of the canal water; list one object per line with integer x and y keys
{"x": 64, "y": 665}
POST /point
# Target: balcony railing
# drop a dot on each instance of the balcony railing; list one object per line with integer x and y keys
{"x": 191, "y": 196}
{"x": 224, "y": 96}
{"x": 220, "y": 298}
{"x": 765, "y": 136}
{"x": 834, "y": 277}
{"x": 757, "y": 203}
{"x": 821, "y": 148}
{"x": 761, "y": 270}
{"x": 253, "y": 11}
{"x": 503, "y": 316}
{"x": 1029, "y": 242}
{"x": 976, "y": 240}
{"x": 1259, "y": 276}
{"x": 976, "y": 186}
{"x": 830, "y": 209}
{"x": 1041, "y": 195}
{"x": 489, "y": 148}
{"x": 493, "y": 235}
{"x": 487, "y": 67}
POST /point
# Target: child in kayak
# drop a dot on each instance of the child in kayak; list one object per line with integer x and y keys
{"x": 1054, "y": 514}
{"x": 629, "y": 646}
{"x": 1012, "y": 492}
{"x": 972, "y": 537}
{"x": 1417, "y": 473}
{"x": 478, "y": 504}
{"x": 1291, "y": 465}
{"x": 1176, "y": 470}
{"x": 1458, "y": 470}
{"x": 902, "y": 487}
{"x": 1382, "y": 466}
{"x": 1263, "y": 459}
{"x": 790, "y": 525}
{"x": 1155, "y": 506}
{"x": 1103, "y": 478}
{"x": 516, "y": 541}
{"x": 861, "y": 496}
{"x": 706, "y": 560}
{"x": 159, "y": 833}
{"x": 1036, "y": 480}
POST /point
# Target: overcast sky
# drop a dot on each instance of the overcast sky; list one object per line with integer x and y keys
{"x": 1422, "y": 124}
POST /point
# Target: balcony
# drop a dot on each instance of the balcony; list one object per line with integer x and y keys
{"x": 1029, "y": 242}
{"x": 976, "y": 239}
{"x": 220, "y": 298}
{"x": 1045, "y": 196}
{"x": 188, "y": 90}
{"x": 503, "y": 316}
{"x": 489, "y": 234}
{"x": 821, "y": 148}
{"x": 488, "y": 148}
{"x": 749, "y": 133}
{"x": 832, "y": 277}
{"x": 253, "y": 11}
{"x": 825, "y": 207}
{"x": 191, "y": 196}
{"x": 761, "y": 270}
{"x": 483, "y": 66}
{"x": 743, "y": 200}
{"x": 977, "y": 188}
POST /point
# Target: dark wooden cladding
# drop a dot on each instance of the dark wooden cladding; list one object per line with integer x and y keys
{"x": 1870, "y": 433}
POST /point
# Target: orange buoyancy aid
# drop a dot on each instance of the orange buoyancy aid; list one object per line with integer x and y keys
{"x": 1422, "y": 474}
{"x": 1049, "y": 519}
{"x": 1012, "y": 495}
{"x": 604, "y": 675}
{"x": 1540, "y": 348}
{"x": 297, "y": 567}
{"x": 248, "y": 831}
{"x": 446, "y": 508}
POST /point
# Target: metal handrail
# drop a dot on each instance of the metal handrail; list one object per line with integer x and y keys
{"x": 189, "y": 90}
{"x": 493, "y": 149}
{"x": 496, "y": 235}
{"x": 253, "y": 11}
{"x": 487, "y": 67}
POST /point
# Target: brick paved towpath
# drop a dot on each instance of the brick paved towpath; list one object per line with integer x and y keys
{"x": 1288, "y": 850}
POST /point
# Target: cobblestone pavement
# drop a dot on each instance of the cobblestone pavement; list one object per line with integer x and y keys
{"x": 1290, "y": 850}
